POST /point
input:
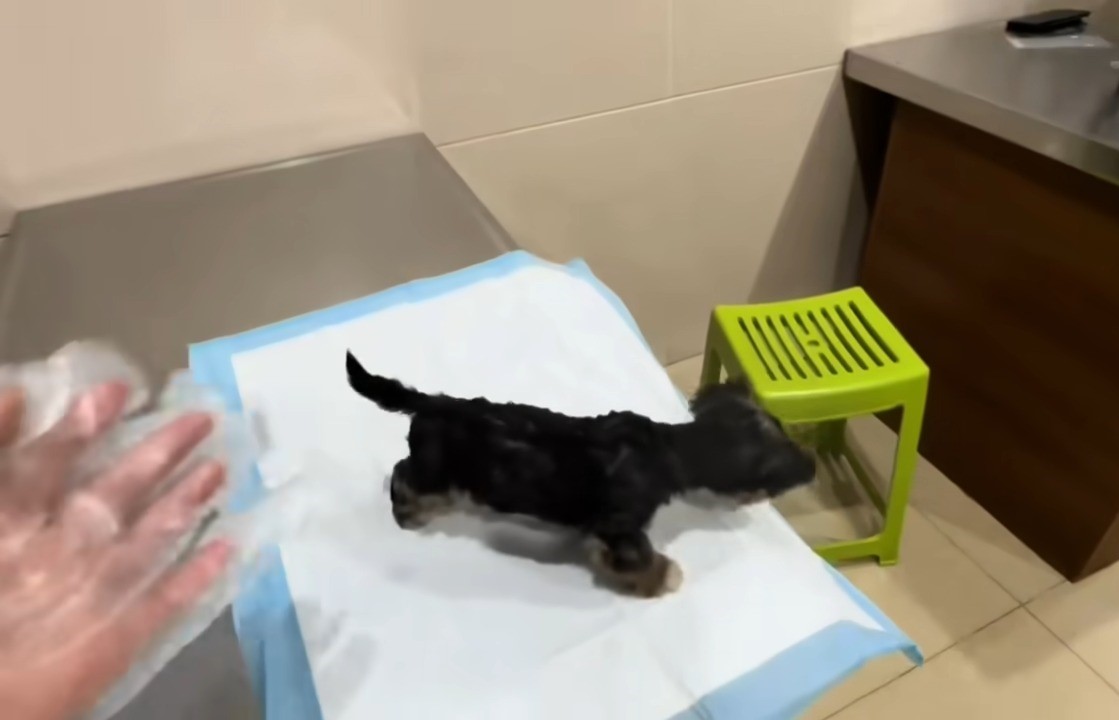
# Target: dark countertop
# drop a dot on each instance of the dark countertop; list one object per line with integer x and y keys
{"x": 1060, "y": 103}
{"x": 158, "y": 268}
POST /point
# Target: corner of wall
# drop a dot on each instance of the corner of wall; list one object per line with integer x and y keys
{"x": 7, "y": 215}
{"x": 1106, "y": 19}
{"x": 175, "y": 90}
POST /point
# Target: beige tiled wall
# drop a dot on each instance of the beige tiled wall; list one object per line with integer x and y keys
{"x": 720, "y": 42}
{"x": 103, "y": 95}
{"x": 487, "y": 66}
{"x": 698, "y": 150}
{"x": 675, "y": 203}
{"x": 695, "y": 151}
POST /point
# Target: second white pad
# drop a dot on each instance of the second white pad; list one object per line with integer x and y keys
{"x": 492, "y": 620}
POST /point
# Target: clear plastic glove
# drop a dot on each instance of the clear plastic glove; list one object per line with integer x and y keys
{"x": 88, "y": 574}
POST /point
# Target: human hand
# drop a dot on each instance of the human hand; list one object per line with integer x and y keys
{"x": 84, "y": 578}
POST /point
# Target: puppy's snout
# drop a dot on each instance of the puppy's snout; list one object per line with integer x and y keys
{"x": 804, "y": 466}
{"x": 787, "y": 468}
{"x": 798, "y": 467}
{"x": 751, "y": 497}
{"x": 405, "y": 517}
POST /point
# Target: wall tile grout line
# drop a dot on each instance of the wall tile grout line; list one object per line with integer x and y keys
{"x": 626, "y": 108}
{"x": 671, "y": 48}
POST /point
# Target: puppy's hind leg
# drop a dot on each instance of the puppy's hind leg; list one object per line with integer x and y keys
{"x": 412, "y": 509}
{"x": 628, "y": 561}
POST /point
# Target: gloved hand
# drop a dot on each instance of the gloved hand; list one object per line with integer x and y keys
{"x": 85, "y": 582}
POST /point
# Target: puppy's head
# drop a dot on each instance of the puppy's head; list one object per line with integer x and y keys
{"x": 735, "y": 449}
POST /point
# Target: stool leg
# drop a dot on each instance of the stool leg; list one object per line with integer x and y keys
{"x": 712, "y": 366}
{"x": 905, "y": 465}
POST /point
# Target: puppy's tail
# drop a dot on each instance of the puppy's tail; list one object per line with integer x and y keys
{"x": 389, "y": 394}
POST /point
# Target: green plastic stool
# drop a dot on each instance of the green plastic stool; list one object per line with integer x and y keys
{"x": 819, "y": 361}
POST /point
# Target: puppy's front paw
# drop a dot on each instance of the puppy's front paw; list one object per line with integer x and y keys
{"x": 658, "y": 575}
{"x": 417, "y": 511}
{"x": 412, "y": 521}
{"x": 673, "y": 577}
{"x": 663, "y": 578}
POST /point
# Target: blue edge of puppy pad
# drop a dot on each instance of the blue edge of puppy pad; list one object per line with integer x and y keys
{"x": 264, "y": 615}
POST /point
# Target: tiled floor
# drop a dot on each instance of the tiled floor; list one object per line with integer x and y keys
{"x": 1004, "y": 636}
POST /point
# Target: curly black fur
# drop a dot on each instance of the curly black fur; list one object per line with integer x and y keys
{"x": 604, "y": 476}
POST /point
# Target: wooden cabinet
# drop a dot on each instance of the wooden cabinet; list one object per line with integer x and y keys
{"x": 1001, "y": 267}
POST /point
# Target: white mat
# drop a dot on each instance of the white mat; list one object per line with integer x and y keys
{"x": 490, "y": 620}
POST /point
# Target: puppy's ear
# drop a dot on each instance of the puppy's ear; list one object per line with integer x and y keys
{"x": 741, "y": 385}
{"x": 736, "y": 389}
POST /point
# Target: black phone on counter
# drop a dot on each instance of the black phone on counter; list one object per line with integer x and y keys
{"x": 1045, "y": 23}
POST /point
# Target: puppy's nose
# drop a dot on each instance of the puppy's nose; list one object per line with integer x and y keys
{"x": 807, "y": 466}
{"x": 754, "y": 496}
{"x": 407, "y": 518}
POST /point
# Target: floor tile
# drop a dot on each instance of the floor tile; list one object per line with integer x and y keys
{"x": 936, "y": 593}
{"x": 875, "y": 675}
{"x": 1085, "y": 615}
{"x": 685, "y": 374}
{"x": 1002, "y": 555}
{"x": 1014, "y": 668}
{"x": 985, "y": 540}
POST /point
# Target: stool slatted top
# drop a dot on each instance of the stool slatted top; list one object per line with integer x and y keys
{"x": 817, "y": 362}
{"x": 814, "y": 357}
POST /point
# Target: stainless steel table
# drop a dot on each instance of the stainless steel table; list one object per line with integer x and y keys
{"x": 157, "y": 268}
{"x": 1060, "y": 103}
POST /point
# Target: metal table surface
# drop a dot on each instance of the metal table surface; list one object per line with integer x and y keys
{"x": 1060, "y": 103}
{"x": 157, "y": 268}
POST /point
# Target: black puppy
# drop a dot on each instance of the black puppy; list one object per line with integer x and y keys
{"x": 604, "y": 476}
